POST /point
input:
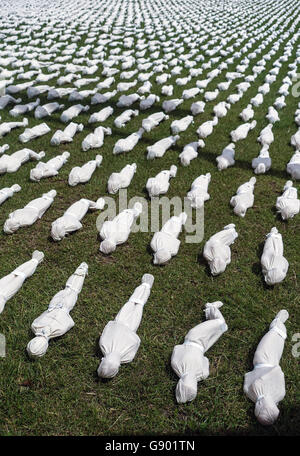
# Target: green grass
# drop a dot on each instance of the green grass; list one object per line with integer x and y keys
{"x": 60, "y": 394}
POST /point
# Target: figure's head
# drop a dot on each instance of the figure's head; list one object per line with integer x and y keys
{"x": 36, "y": 174}
{"x": 222, "y": 163}
{"x": 11, "y": 225}
{"x": 109, "y": 366}
{"x": 186, "y": 389}
{"x": 275, "y": 275}
{"x": 37, "y": 346}
{"x": 217, "y": 266}
{"x": 266, "y": 411}
{"x": 162, "y": 256}
{"x": 107, "y": 246}
{"x": 58, "y": 230}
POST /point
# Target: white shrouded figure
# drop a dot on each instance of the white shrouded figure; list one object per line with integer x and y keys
{"x": 8, "y": 192}
{"x": 11, "y": 163}
{"x": 199, "y": 191}
{"x": 263, "y": 162}
{"x": 244, "y": 198}
{"x": 160, "y": 184}
{"x": 50, "y": 168}
{"x": 293, "y": 166}
{"x": 95, "y": 140}
{"x": 125, "y": 117}
{"x": 154, "y": 120}
{"x": 30, "y": 213}
{"x": 247, "y": 113}
{"x": 72, "y": 112}
{"x": 265, "y": 384}
{"x": 171, "y": 105}
{"x": 121, "y": 179}
{"x": 188, "y": 360}
{"x": 19, "y": 110}
{"x": 47, "y": 110}
{"x": 66, "y": 135}
{"x": 197, "y": 107}
{"x": 35, "y": 132}
{"x": 82, "y": 174}
{"x": 226, "y": 158}
{"x": 56, "y": 320}
{"x": 158, "y": 149}
{"x": 207, "y": 127}
{"x": 127, "y": 144}
{"x": 217, "y": 249}
{"x": 6, "y": 127}
{"x": 295, "y": 140}
{"x": 272, "y": 115}
{"x": 274, "y": 265}
{"x": 102, "y": 115}
{"x": 70, "y": 221}
{"x": 189, "y": 152}
{"x": 266, "y": 136}
{"x": 119, "y": 342}
{"x": 165, "y": 243}
{"x": 177, "y": 126}
{"x": 288, "y": 203}
{"x": 241, "y": 132}
{"x": 7, "y": 99}
{"x": 11, "y": 284}
{"x": 115, "y": 232}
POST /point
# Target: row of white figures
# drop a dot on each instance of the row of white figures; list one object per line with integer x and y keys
{"x": 119, "y": 342}
{"x": 218, "y": 254}
{"x": 264, "y": 385}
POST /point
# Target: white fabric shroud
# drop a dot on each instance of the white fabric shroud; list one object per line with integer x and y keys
{"x": 217, "y": 249}
{"x": 95, "y": 140}
{"x": 190, "y": 152}
{"x": 164, "y": 242}
{"x": 188, "y": 360}
{"x": 244, "y": 198}
{"x": 47, "y": 110}
{"x": 265, "y": 384}
{"x": 35, "y": 132}
{"x": 4, "y": 148}
{"x": 293, "y": 166}
{"x": 50, "y": 168}
{"x": 288, "y": 203}
{"x": 116, "y": 231}
{"x": 6, "y": 127}
{"x": 19, "y": 110}
{"x": 66, "y": 135}
{"x": 11, "y": 163}
{"x": 30, "y": 213}
{"x": 178, "y": 126}
{"x": 247, "y": 113}
{"x": 160, "y": 184}
{"x": 8, "y": 192}
{"x": 127, "y": 144}
{"x": 266, "y": 136}
{"x": 158, "y": 149}
{"x": 295, "y": 140}
{"x": 274, "y": 265}
{"x": 70, "y": 221}
{"x": 119, "y": 342}
{"x": 263, "y": 162}
{"x": 199, "y": 191}
{"x": 11, "y": 284}
{"x": 226, "y": 158}
{"x": 102, "y": 115}
{"x": 56, "y": 320}
{"x": 72, "y": 112}
{"x": 125, "y": 117}
{"x": 121, "y": 179}
{"x": 82, "y": 174}
{"x": 242, "y": 131}
{"x": 153, "y": 120}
